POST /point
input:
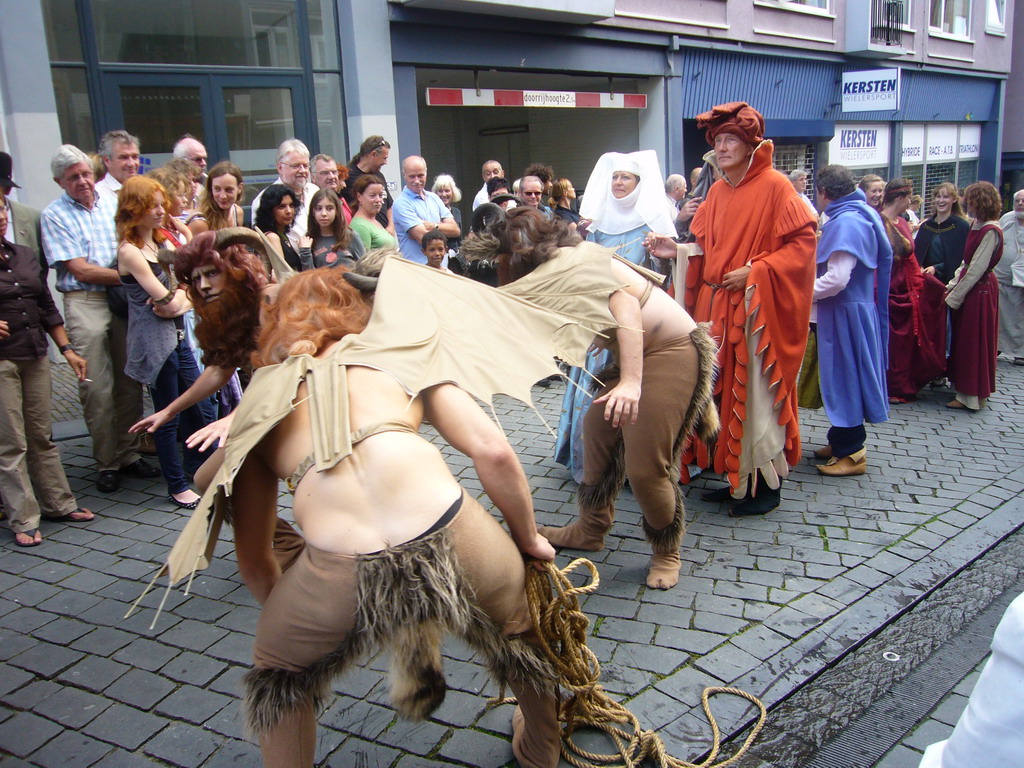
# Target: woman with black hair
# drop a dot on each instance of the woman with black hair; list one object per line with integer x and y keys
{"x": 274, "y": 217}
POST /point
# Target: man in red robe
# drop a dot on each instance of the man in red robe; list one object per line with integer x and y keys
{"x": 750, "y": 273}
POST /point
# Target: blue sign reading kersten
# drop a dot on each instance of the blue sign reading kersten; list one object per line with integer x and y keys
{"x": 858, "y": 139}
{"x": 869, "y": 86}
{"x": 871, "y": 90}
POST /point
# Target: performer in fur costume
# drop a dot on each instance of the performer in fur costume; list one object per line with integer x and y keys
{"x": 656, "y": 393}
{"x": 395, "y": 553}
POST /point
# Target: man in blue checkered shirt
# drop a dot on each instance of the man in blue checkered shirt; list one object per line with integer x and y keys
{"x": 80, "y": 242}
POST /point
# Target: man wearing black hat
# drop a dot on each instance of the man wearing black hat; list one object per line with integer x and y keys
{"x": 24, "y": 220}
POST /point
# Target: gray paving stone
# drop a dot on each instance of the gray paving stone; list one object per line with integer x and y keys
{"x": 357, "y": 752}
{"x": 927, "y": 733}
{"x": 62, "y": 631}
{"x": 626, "y": 631}
{"x": 145, "y": 654}
{"x": 93, "y": 673}
{"x": 32, "y": 592}
{"x": 46, "y": 659}
{"x": 687, "y": 685}
{"x": 102, "y": 641}
{"x": 187, "y": 667}
{"x": 182, "y": 745}
{"x": 419, "y": 738}
{"x": 664, "y": 615}
{"x": 26, "y": 732}
{"x": 692, "y": 641}
{"x": 140, "y": 689}
{"x": 125, "y": 727}
{"x": 13, "y": 643}
{"x": 12, "y": 679}
{"x": 71, "y": 750}
{"x": 234, "y": 753}
{"x": 29, "y": 696}
{"x": 233, "y": 648}
{"x": 460, "y": 709}
{"x": 727, "y": 663}
{"x": 484, "y": 750}
{"x": 72, "y": 707}
{"x": 358, "y": 718}
{"x": 717, "y": 623}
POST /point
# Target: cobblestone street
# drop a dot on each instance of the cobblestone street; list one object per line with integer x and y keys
{"x": 764, "y": 604}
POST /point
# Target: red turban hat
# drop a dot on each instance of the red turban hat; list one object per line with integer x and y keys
{"x": 737, "y": 118}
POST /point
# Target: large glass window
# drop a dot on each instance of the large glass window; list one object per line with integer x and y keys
{"x": 159, "y": 115}
{"x": 74, "y": 115}
{"x": 255, "y": 33}
{"x": 258, "y": 119}
{"x": 63, "y": 40}
{"x": 323, "y": 42}
{"x": 952, "y": 16}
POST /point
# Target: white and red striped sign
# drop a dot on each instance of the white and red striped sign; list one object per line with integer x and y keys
{"x": 468, "y": 97}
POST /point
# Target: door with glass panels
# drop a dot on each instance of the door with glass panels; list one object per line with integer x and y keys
{"x": 238, "y": 117}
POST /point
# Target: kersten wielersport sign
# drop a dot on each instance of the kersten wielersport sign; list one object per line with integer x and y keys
{"x": 871, "y": 90}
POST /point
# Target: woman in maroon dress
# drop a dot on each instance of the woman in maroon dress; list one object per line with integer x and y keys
{"x": 973, "y": 298}
{"x": 917, "y": 314}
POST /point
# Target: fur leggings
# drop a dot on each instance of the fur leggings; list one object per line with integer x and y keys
{"x": 329, "y": 611}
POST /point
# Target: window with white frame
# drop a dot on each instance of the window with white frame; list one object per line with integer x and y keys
{"x": 822, "y": 4}
{"x": 995, "y": 16}
{"x": 952, "y": 16}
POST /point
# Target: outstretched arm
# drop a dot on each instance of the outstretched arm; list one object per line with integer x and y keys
{"x": 462, "y": 423}
{"x": 210, "y": 380}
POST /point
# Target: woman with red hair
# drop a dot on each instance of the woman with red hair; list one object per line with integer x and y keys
{"x": 973, "y": 297}
{"x": 157, "y": 353}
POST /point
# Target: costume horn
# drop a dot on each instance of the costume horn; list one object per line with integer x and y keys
{"x": 272, "y": 260}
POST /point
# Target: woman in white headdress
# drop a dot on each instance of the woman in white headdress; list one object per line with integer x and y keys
{"x": 624, "y": 200}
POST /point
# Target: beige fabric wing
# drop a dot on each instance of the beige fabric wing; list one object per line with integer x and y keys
{"x": 427, "y": 327}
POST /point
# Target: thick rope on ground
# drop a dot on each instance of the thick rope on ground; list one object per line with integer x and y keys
{"x": 562, "y": 628}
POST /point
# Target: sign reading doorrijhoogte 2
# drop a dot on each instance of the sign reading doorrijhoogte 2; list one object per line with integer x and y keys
{"x": 872, "y": 90}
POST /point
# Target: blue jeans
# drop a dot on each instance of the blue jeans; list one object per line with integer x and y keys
{"x": 178, "y": 373}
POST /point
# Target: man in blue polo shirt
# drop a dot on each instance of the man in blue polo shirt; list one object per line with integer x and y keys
{"x": 418, "y": 211}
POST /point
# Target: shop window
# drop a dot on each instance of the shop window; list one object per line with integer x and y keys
{"x": 966, "y": 173}
{"x": 250, "y": 33}
{"x": 952, "y": 16}
{"x": 791, "y": 157}
{"x": 935, "y": 174}
{"x": 915, "y": 175}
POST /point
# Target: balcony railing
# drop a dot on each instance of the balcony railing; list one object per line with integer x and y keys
{"x": 887, "y": 20}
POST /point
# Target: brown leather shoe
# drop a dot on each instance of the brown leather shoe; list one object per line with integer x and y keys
{"x": 847, "y": 466}
{"x": 823, "y": 453}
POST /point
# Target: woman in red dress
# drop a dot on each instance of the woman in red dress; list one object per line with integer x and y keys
{"x": 973, "y": 297}
{"x": 917, "y": 315}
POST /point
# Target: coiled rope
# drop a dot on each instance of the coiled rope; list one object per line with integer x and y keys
{"x": 562, "y": 628}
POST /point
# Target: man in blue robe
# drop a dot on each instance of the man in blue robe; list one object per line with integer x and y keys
{"x": 851, "y": 301}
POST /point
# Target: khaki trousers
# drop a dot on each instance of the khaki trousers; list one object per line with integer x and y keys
{"x": 111, "y": 401}
{"x": 28, "y": 458}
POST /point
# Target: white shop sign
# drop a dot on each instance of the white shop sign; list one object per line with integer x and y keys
{"x": 941, "y": 143}
{"x": 970, "y": 142}
{"x": 913, "y": 144}
{"x": 860, "y": 145}
{"x": 871, "y": 90}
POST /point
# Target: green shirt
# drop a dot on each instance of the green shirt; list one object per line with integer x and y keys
{"x": 372, "y": 235}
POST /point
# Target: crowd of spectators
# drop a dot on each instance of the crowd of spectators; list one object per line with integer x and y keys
{"x": 955, "y": 294}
